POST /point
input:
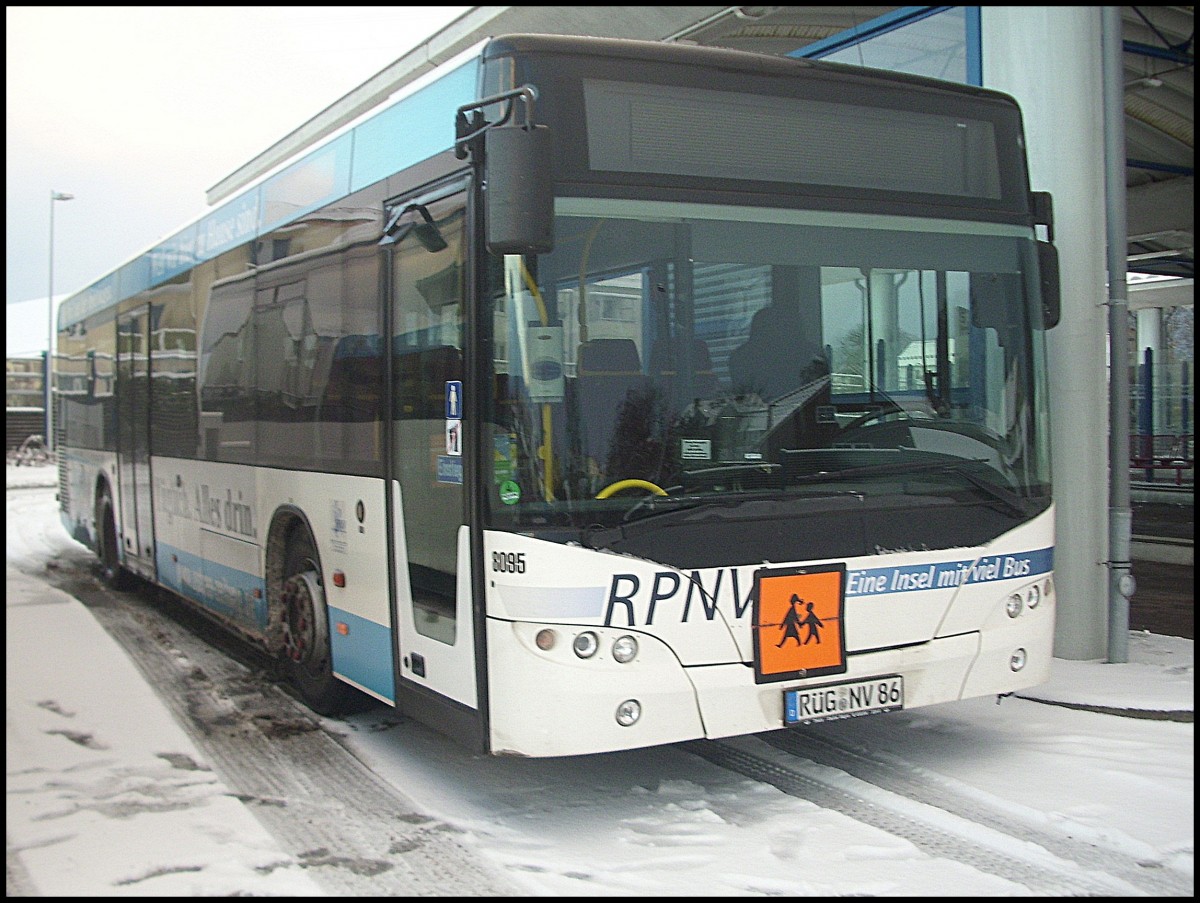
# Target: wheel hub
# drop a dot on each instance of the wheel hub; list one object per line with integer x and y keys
{"x": 298, "y": 616}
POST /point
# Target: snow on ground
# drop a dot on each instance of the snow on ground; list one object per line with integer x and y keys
{"x": 106, "y": 794}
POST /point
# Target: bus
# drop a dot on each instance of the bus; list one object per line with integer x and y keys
{"x": 597, "y": 394}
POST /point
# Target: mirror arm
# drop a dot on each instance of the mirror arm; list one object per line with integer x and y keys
{"x": 468, "y": 131}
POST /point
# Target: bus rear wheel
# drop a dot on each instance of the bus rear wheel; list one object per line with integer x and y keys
{"x": 112, "y": 573}
{"x": 306, "y": 655}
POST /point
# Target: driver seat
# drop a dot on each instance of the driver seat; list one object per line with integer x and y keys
{"x": 608, "y": 370}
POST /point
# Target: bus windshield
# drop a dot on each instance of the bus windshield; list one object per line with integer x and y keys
{"x": 679, "y": 354}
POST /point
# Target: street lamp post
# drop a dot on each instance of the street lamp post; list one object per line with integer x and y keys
{"x": 50, "y": 331}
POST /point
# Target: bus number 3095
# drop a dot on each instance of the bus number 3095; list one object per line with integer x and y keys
{"x": 508, "y": 562}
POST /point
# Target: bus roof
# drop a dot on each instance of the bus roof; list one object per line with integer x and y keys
{"x": 385, "y": 140}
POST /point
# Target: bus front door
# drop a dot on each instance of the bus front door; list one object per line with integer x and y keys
{"x": 133, "y": 440}
{"x": 425, "y": 254}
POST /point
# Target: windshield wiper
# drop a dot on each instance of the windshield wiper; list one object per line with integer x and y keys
{"x": 1014, "y": 503}
{"x": 770, "y": 481}
{"x": 746, "y": 474}
{"x": 655, "y": 511}
{"x": 1008, "y": 499}
{"x": 653, "y": 505}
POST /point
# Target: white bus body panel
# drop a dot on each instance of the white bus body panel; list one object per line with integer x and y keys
{"x": 449, "y": 667}
{"x": 211, "y": 525}
{"x": 553, "y": 704}
{"x": 946, "y": 632}
{"x": 85, "y": 469}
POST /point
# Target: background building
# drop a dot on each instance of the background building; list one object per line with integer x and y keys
{"x": 24, "y": 399}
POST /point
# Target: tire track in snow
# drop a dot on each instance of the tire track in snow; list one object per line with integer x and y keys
{"x": 354, "y": 833}
{"x": 934, "y": 831}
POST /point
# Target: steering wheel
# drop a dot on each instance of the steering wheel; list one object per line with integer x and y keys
{"x": 616, "y": 487}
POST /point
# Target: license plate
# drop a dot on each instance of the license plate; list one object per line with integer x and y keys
{"x": 809, "y": 705}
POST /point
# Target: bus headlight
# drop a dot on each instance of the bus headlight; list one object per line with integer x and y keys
{"x": 625, "y": 649}
{"x": 586, "y": 644}
{"x": 1017, "y": 661}
{"x": 629, "y": 712}
{"x": 1014, "y": 605}
{"x": 1035, "y": 596}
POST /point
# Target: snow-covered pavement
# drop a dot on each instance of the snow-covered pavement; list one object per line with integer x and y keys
{"x": 107, "y": 795}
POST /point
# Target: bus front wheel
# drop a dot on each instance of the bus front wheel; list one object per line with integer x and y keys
{"x": 307, "y": 656}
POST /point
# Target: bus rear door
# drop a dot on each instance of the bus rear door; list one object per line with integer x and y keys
{"x": 133, "y": 440}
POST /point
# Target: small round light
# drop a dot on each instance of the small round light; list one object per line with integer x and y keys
{"x": 625, "y": 649}
{"x": 1017, "y": 662}
{"x": 586, "y": 644}
{"x": 1035, "y": 596}
{"x": 1048, "y": 588}
{"x": 629, "y": 712}
{"x": 545, "y": 639}
{"x": 1014, "y": 605}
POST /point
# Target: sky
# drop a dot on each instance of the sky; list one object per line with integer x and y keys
{"x": 137, "y": 111}
{"x": 107, "y": 795}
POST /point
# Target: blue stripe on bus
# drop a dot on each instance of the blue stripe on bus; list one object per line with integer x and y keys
{"x": 417, "y": 127}
{"x": 364, "y": 653}
{"x": 942, "y": 574}
{"x": 235, "y": 594}
{"x": 320, "y": 178}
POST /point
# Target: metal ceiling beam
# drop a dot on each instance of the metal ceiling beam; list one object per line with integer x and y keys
{"x": 1162, "y": 53}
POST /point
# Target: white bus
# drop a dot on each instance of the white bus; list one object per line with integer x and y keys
{"x": 598, "y": 394}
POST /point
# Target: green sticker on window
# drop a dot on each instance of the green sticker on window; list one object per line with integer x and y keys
{"x": 502, "y": 458}
{"x": 510, "y": 492}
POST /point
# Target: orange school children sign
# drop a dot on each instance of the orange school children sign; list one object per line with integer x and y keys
{"x": 799, "y": 627}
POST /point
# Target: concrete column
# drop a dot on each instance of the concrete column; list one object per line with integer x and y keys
{"x": 885, "y": 329}
{"x": 1048, "y": 58}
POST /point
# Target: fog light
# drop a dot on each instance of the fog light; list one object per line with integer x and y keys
{"x": 1035, "y": 596}
{"x": 1014, "y": 605}
{"x": 545, "y": 639}
{"x": 629, "y": 712}
{"x": 586, "y": 644}
{"x": 1017, "y": 662}
{"x": 625, "y": 649}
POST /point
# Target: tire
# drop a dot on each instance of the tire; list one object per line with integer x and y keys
{"x": 306, "y": 655}
{"x": 108, "y": 541}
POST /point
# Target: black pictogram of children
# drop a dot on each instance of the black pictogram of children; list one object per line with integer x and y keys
{"x": 792, "y": 622}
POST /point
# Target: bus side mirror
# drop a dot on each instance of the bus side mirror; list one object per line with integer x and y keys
{"x": 1048, "y": 274}
{"x": 519, "y": 191}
